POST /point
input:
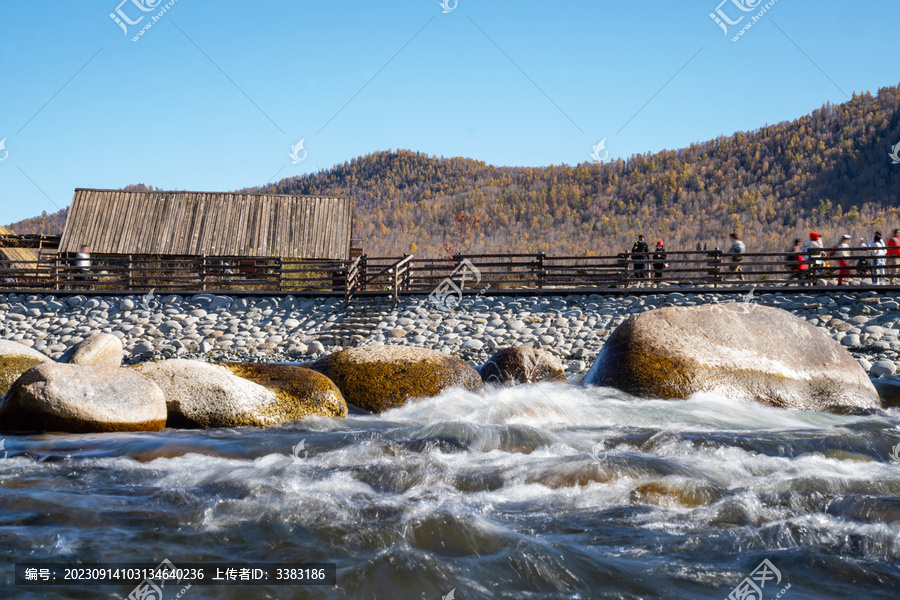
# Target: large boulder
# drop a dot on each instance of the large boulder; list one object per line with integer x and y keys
{"x": 97, "y": 350}
{"x": 15, "y": 359}
{"x": 306, "y": 391}
{"x": 746, "y": 352}
{"x": 202, "y": 395}
{"x": 60, "y": 397}
{"x": 377, "y": 378}
{"x": 521, "y": 364}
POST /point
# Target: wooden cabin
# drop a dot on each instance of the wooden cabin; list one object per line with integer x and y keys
{"x": 210, "y": 224}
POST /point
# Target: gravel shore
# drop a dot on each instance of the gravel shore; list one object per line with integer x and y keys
{"x": 274, "y": 329}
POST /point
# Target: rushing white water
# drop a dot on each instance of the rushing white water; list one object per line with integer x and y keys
{"x": 546, "y": 491}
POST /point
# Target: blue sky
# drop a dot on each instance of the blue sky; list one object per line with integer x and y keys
{"x": 214, "y": 94}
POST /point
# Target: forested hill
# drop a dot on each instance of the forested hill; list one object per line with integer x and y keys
{"x": 828, "y": 171}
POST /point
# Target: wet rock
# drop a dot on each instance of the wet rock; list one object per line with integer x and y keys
{"x": 757, "y": 354}
{"x": 300, "y": 392}
{"x": 377, "y": 378}
{"x": 202, "y": 395}
{"x": 76, "y": 399}
{"x": 888, "y": 390}
{"x": 883, "y": 367}
{"x": 15, "y": 359}
{"x": 520, "y": 364}
{"x": 98, "y": 350}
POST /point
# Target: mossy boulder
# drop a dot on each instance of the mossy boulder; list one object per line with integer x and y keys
{"x": 744, "y": 351}
{"x": 521, "y": 364}
{"x": 378, "y": 378}
{"x": 15, "y": 359}
{"x": 308, "y": 391}
{"x": 74, "y": 399}
{"x": 202, "y": 395}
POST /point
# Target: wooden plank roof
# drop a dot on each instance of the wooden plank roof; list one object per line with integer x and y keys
{"x": 208, "y": 223}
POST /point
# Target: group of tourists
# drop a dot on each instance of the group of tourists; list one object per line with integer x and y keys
{"x": 642, "y": 250}
{"x": 808, "y": 258}
{"x": 807, "y": 262}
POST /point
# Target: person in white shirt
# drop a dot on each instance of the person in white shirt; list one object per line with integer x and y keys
{"x": 83, "y": 259}
{"x": 879, "y": 259}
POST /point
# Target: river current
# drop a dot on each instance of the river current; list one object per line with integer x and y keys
{"x": 538, "y": 492}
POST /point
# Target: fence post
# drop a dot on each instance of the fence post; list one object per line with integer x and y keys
{"x": 542, "y": 273}
{"x": 203, "y": 269}
{"x": 363, "y": 271}
{"x": 396, "y": 295}
{"x": 714, "y": 266}
{"x": 622, "y": 269}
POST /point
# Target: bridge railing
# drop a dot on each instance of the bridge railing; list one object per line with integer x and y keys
{"x": 472, "y": 273}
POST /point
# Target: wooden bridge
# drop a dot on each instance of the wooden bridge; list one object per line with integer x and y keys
{"x": 444, "y": 279}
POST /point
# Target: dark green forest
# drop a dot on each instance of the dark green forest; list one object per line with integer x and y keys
{"x": 828, "y": 170}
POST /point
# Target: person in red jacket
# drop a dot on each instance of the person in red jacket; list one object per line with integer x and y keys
{"x": 797, "y": 261}
{"x": 893, "y": 257}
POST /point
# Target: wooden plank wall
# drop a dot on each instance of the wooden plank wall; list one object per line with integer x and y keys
{"x": 210, "y": 224}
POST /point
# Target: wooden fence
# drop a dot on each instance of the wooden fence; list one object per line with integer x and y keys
{"x": 469, "y": 274}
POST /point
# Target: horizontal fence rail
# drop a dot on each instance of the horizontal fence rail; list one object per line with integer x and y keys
{"x": 394, "y": 276}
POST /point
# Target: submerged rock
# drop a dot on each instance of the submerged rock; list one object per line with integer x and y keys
{"x": 15, "y": 359}
{"x": 378, "y": 378}
{"x": 98, "y": 350}
{"x": 750, "y": 353}
{"x": 888, "y": 390}
{"x": 75, "y": 399}
{"x": 310, "y": 392}
{"x": 202, "y": 395}
{"x": 521, "y": 364}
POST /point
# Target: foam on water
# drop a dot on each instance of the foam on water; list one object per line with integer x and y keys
{"x": 543, "y": 491}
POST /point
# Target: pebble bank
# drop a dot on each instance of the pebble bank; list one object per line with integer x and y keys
{"x": 275, "y": 329}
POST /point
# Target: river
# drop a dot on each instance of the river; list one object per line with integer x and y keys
{"x": 537, "y": 492}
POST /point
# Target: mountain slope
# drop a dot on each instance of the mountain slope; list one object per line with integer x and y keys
{"x": 828, "y": 171}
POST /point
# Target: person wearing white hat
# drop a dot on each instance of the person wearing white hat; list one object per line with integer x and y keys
{"x": 842, "y": 254}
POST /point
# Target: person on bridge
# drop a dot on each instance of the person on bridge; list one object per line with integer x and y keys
{"x": 864, "y": 263}
{"x": 893, "y": 256}
{"x": 814, "y": 252}
{"x": 878, "y": 259}
{"x": 797, "y": 260}
{"x": 843, "y": 255}
{"x": 660, "y": 259}
{"x": 737, "y": 250}
{"x": 639, "y": 253}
